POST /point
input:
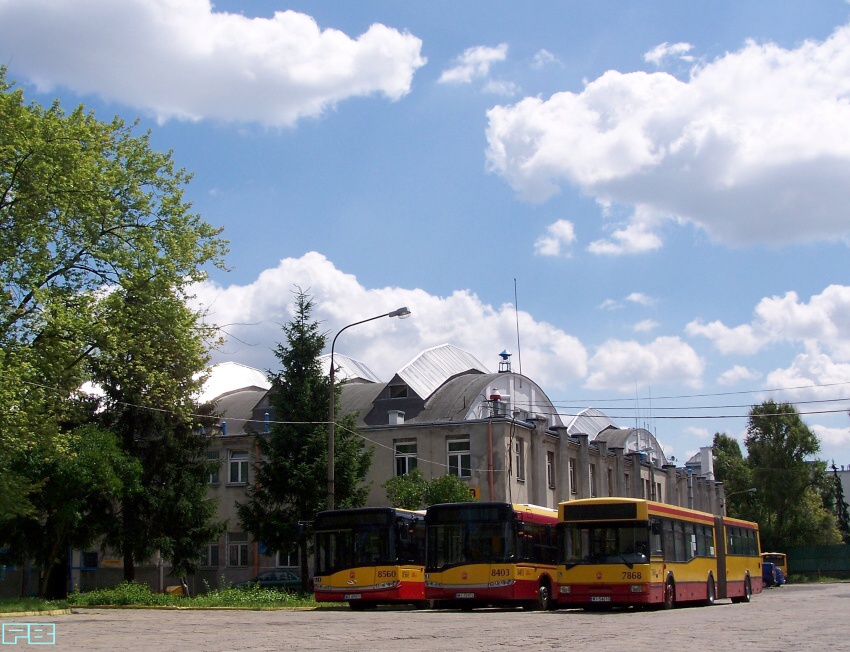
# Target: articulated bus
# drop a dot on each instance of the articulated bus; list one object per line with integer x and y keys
{"x": 481, "y": 554}
{"x": 631, "y": 552}
{"x": 370, "y": 556}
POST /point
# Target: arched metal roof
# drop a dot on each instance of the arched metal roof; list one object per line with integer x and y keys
{"x": 433, "y": 367}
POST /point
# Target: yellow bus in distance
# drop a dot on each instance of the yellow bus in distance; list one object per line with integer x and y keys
{"x": 634, "y": 552}
{"x": 778, "y": 559}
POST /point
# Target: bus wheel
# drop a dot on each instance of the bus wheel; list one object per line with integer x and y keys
{"x": 748, "y": 592}
{"x": 712, "y": 594}
{"x": 669, "y": 595}
{"x": 544, "y": 600}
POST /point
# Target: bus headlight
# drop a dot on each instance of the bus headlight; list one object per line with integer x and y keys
{"x": 386, "y": 585}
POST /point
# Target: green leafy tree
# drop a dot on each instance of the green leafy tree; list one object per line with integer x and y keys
{"x": 780, "y": 451}
{"x": 731, "y": 468}
{"x": 292, "y": 472}
{"x": 83, "y": 204}
{"x": 413, "y": 491}
{"x": 149, "y": 362}
{"x": 73, "y": 499}
{"x": 406, "y": 491}
{"x": 447, "y": 489}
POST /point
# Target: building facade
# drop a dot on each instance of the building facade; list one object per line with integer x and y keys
{"x": 445, "y": 413}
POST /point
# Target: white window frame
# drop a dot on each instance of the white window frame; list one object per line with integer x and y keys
{"x": 405, "y": 460}
{"x": 237, "y": 550}
{"x": 286, "y": 559}
{"x": 573, "y": 482}
{"x": 237, "y": 460}
{"x": 212, "y": 556}
{"x": 592, "y": 476}
{"x": 455, "y": 458}
{"x": 519, "y": 458}
{"x": 215, "y": 475}
{"x": 550, "y": 469}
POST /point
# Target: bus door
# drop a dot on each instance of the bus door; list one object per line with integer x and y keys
{"x": 720, "y": 552}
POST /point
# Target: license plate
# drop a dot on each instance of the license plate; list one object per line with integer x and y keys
{"x": 352, "y": 596}
{"x": 464, "y": 595}
{"x": 600, "y": 598}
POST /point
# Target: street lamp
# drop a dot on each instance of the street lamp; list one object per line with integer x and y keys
{"x": 401, "y": 313}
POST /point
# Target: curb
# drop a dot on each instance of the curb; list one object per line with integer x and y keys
{"x": 52, "y": 612}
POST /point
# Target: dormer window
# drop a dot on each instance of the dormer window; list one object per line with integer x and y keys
{"x": 398, "y": 391}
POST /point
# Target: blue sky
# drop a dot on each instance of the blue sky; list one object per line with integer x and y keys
{"x": 665, "y": 184}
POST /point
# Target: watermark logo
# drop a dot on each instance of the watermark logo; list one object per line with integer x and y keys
{"x": 29, "y": 634}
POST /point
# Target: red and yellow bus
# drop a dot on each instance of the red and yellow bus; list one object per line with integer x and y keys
{"x": 632, "y": 552}
{"x": 499, "y": 554}
{"x": 370, "y": 556}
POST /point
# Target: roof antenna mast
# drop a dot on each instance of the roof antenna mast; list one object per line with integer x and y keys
{"x": 516, "y": 312}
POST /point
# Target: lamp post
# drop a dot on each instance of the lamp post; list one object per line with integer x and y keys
{"x": 401, "y": 313}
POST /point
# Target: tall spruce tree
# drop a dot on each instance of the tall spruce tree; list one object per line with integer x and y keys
{"x": 291, "y": 475}
{"x": 842, "y": 512}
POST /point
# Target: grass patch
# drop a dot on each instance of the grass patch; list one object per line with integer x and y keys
{"x": 140, "y": 595}
{"x": 20, "y": 605}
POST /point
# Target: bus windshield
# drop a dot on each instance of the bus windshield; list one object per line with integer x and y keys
{"x": 608, "y": 543}
{"x": 469, "y": 542}
{"x": 370, "y": 545}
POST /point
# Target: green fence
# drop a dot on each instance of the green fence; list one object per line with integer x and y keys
{"x": 820, "y": 561}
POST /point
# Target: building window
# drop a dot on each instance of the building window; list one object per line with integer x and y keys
{"x": 628, "y": 491}
{"x": 593, "y": 481}
{"x": 610, "y": 483}
{"x": 88, "y": 559}
{"x": 210, "y": 558}
{"x": 286, "y": 559}
{"x": 214, "y": 457}
{"x": 237, "y": 549}
{"x": 647, "y": 490}
{"x": 658, "y": 496}
{"x": 550, "y": 469}
{"x": 573, "y": 483}
{"x": 519, "y": 456}
{"x": 457, "y": 451}
{"x": 405, "y": 456}
{"x": 238, "y": 467}
{"x": 398, "y": 391}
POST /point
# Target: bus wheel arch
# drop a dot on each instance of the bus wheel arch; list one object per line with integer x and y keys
{"x": 748, "y": 591}
{"x": 545, "y": 599}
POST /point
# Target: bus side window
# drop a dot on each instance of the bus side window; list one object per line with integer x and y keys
{"x": 655, "y": 538}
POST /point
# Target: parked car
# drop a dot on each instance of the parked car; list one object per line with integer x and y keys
{"x": 282, "y": 579}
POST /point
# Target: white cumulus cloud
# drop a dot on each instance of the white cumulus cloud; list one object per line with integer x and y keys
{"x": 474, "y": 63}
{"x": 822, "y": 322}
{"x": 660, "y": 52}
{"x": 252, "y": 314}
{"x": 183, "y": 59}
{"x": 753, "y": 147}
{"x": 623, "y": 365}
{"x": 559, "y": 236}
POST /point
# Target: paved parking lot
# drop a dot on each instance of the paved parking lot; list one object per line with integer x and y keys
{"x": 802, "y": 617}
